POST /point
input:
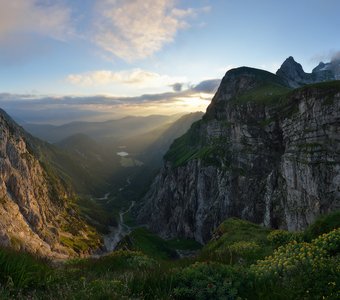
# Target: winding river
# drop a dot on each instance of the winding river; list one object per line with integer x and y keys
{"x": 112, "y": 239}
{"x": 118, "y": 232}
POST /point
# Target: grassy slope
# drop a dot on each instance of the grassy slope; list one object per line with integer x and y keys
{"x": 152, "y": 245}
{"x": 235, "y": 237}
{"x": 131, "y": 274}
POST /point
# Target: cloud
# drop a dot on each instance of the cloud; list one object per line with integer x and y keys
{"x": 136, "y": 29}
{"x": 25, "y": 23}
{"x": 58, "y": 110}
{"x": 136, "y": 77}
{"x": 130, "y": 30}
{"x": 335, "y": 57}
{"x": 207, "y": 86}
{"x": 32, "y": 16}
{"x": 177, "y": 87}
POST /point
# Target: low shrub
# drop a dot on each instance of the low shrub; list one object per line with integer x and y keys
{"x": 303, "y": 270}
{"x": 204, "y": 280}
{"x": 239, "y": 252}
{"x": 323, "y": 224}
{"x": 282, "y": 237}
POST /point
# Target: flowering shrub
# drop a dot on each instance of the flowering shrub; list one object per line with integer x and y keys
{"x": 305, "y": 267}
{"x": 240, "y": 252}
{"x": 293, "y": 255}
{"x": 329, "y": 242}
{"x": 282, "y": 237}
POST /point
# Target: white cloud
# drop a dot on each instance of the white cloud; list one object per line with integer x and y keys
{"x": 136, "y": 77}
{"x": 31, "y": 16}
{"x": 136, "y": 29}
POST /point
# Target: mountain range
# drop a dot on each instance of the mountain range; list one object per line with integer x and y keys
{"x": 266, "y": 150}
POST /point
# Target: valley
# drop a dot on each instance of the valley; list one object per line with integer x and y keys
{"x": 169, "y": 150}
{"x": 241, "y": 202}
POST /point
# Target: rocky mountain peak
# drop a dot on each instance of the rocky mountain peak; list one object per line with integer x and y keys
{"x": 240, "y": 80}
{"x": 293, "y": 74}
{"x": 319, "y": 67}
{"x": 327, "y": 71}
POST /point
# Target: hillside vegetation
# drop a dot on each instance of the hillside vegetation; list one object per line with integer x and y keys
{"x": 242, "y": 261}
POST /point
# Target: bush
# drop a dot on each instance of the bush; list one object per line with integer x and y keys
{"x": 303, "y": 270}
{"x": 282, "y": 237}
{"x": 239, "y": 252}
{"x": 117, "y": 261}
{"x": 323, "y": 224}
{"x": 208, "y": 281}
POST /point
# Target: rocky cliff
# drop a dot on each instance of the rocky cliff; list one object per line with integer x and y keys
{"x": 36, "y": 211}
{"x": 263, "y": 152}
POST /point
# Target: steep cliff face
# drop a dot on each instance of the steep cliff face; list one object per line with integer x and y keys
{"x": 35, "y": 211}
{"x": 262, "y": 152}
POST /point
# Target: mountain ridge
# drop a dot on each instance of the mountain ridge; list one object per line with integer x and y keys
{"x": 270, "y": 162}
{"x": 37, "y": 212}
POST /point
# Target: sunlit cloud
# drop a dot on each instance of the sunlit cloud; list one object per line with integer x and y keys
{"x": 58, "y": 110}
{"x": 32, "y": 16}
{"x": 130, "y": 30}
{"x": 136, "y": 29}
{"x": 137, "y": 78}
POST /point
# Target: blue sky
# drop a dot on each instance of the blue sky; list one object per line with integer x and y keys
{"x": 120, "y": 48}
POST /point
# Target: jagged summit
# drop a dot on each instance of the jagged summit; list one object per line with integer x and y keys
{"x": 328, "y": 71}
{"x": 321, "y": 66}
{"x": 294, "y": 75}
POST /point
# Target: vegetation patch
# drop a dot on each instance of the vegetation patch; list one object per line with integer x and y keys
{"x": 242, "y": 261}
{"x": 152, "y": 245}
{"x": 237, "y": 241}
{"x": 269, "y": 93}
{"x": 191, "y": 146}
{"x": 22, "y": 270}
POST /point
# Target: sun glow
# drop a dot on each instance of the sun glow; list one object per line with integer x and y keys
{"x": 195, "y": 102}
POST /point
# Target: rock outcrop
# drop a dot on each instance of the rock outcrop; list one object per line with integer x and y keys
{"x": 263, "y": 152}
{"x": 36, "y": 213}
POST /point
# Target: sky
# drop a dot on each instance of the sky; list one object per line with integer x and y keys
{"x": 64, "y": 60}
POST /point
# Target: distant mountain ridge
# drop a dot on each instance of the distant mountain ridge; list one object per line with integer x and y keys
{"x": 120, "y": 128}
